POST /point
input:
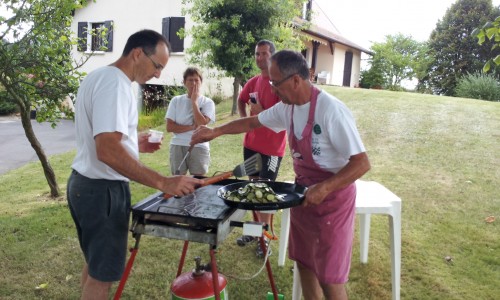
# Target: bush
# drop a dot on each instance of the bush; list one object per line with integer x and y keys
{"x": 152, "y": 118}
{"x": 7, "y": 108}
{"x": 479, "y": 86}
{"x": 371, "y": 79}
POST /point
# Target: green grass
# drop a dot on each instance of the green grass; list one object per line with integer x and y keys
{"x": 439, "y": 154}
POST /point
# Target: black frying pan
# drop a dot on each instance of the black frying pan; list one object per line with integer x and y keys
{"x": 293, "y": 195}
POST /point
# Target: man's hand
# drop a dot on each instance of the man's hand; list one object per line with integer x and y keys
{"x": 145, "y": 146}
{"x": 179, "y": 185}
{"x": 315, "y": 194}
{"x": 202, "y": 134}
{"x": 195, "y": 92}
{"x": 255, "y": 108}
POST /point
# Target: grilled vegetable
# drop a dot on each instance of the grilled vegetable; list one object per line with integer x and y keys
{"x": 254, "y": 192}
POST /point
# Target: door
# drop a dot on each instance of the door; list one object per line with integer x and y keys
{"x": 347, "y": 69}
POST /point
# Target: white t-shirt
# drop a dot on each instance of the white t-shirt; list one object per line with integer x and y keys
{"x": 180, "y": 110}
{"x": 335, "y": 137}
{"x": 105, "y": 103}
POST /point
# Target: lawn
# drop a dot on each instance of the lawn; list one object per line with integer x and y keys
{"x": 440, "y": 155}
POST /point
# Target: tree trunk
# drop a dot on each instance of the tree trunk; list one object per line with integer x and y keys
{"x": 236, "y": 90}
{"x": 47, "y": 169}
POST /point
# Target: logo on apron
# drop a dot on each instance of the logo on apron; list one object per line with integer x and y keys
{"x": 317, "y": 129}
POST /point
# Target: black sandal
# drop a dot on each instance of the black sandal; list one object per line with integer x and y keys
{"x": 245, "y": 239}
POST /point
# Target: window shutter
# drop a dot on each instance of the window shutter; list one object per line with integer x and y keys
{"x": 109, "y": 27}
{"x": 165, "y": 25}
{"x": 169, "y": 28}
{"x": 82, "y": 36}
{"x": 177, "y": 44}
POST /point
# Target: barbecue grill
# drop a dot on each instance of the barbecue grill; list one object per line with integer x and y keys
{"x": 201, "y": 217}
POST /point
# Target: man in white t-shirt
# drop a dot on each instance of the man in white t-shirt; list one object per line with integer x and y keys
{"x": 184, "y": 114}
{"x": 328, "y": 156}
{"x": 107, "y": 155}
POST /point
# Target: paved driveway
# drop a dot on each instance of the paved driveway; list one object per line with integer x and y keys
{"x": 16, "y": 151}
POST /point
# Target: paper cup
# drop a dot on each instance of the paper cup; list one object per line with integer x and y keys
{"x": 155, "y": 136}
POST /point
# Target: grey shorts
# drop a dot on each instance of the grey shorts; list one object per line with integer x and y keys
{"x": 101, "y": 212}
{"x": 196, "y": 163}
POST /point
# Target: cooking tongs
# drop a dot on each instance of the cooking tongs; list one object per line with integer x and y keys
{"x": 249, "y": 166}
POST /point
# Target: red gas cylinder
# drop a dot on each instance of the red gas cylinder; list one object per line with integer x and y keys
{"x": 197, "y": 285}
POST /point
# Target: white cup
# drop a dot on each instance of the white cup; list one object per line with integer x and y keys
{"x": 155, "y": 136}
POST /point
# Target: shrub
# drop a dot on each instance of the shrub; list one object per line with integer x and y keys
{"x": 372, "y": 79}
{"x": 152, "y": 118}
{"x": 479, "y": 86}
{"x": 7, "y": 106}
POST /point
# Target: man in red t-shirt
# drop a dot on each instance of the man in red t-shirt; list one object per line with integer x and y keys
{"x": 258, "y": 96}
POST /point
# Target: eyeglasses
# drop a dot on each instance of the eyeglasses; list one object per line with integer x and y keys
{"x": 157, "y": 66}
{"x": 278, "y": 83}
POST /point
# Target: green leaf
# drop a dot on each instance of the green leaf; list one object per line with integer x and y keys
{"x": 42, "y": 286}
{"x": 487, "y": 66}
{"x": 497, "y": 60}
{"x": 490, "y": 32}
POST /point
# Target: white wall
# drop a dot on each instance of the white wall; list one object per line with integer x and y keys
{"x": 130, "y": 16}
{"x": 334, "y": 64}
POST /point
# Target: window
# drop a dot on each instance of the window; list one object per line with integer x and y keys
{"x": 170, "y": 28}
{"x": 98, "y": 38}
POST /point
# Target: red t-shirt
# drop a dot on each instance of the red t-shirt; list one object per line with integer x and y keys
{"x": 263, "y": 140}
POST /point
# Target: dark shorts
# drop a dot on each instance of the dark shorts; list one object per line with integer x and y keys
{"x": 101, "y": 211}
{"x": 270, "y": 165}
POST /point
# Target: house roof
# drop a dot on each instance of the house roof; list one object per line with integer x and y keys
{"x": 313, "y": 31}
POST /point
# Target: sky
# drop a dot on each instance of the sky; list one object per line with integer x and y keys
{"x": 367, "y": 21}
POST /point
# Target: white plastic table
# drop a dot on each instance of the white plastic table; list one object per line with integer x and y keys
{"x": 371, "y": 198}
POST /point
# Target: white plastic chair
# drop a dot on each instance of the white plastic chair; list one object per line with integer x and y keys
{"x": 323, "y": 77}
{"x": 372, "y": 198}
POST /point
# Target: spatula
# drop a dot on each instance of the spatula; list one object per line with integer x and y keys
{"x": 249, "y": 166}
{"x": 178, "y": 171}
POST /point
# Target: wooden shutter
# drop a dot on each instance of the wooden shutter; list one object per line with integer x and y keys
{"x": 82, "y": 36}
{"x": 170, "y": 27}
{"x": 109, "y": 27}
{"x": 165, "y": 28}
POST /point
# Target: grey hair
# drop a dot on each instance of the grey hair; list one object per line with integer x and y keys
{"x": 291, "y": 62}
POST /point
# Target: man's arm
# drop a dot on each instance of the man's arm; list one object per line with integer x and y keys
{"x": 357, "y": 166}
{"x": 205, "y": 134}
{"x": 242, "y": 108}
{"x": 172, "y": 126}
{"x": 111, "y": 152}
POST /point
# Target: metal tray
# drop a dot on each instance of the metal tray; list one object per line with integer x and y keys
{"x": 293, "y": 195}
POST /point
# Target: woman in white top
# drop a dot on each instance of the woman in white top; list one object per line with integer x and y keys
{"x": 184, "y": 114}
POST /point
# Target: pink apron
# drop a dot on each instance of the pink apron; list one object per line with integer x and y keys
{"x": 320, "y": 236}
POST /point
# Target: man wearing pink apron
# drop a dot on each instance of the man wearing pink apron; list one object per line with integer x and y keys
{"x": 328, "y": 157}
{"x": 327, "y": 228}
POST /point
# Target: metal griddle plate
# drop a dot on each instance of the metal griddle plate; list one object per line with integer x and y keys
{"x": 200, "y": 210}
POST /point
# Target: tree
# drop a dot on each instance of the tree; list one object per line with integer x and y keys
{"x": 454, "y": 49}
{"x": 226, "y": 31}
{"x": 36, "y": 65}
{"x": 491, "y": 32}
{"x": 396, "y": 59}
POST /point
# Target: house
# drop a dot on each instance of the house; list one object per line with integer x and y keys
{"x": 120, "y": 19}
{"x": 333, "y": 59}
